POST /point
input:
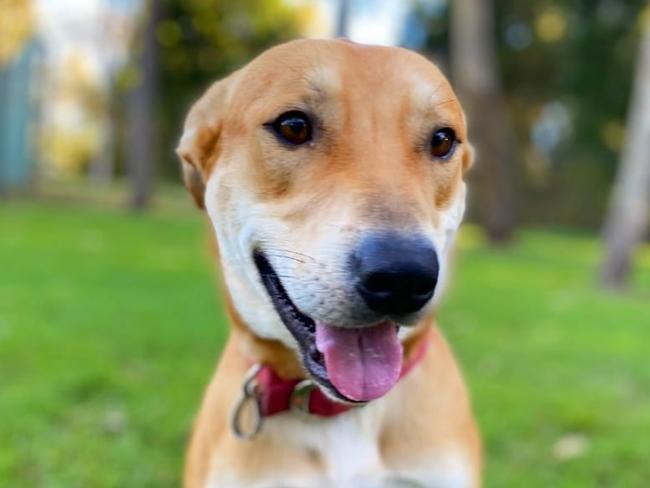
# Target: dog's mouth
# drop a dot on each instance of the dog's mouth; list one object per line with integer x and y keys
{"x": 353, "y": 365}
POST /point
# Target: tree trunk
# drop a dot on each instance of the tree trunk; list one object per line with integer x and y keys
{"x": 141, "y": 147}
{"x": 476, "y": 80}
{"x": 102, "y": 166}
{"x": 628, "y": 214}
{"x": 342, "y": 18}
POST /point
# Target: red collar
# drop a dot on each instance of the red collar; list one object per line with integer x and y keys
{"x": 277, "y": 395}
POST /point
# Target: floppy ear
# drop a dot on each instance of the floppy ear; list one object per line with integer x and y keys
{"x": 198, "y": 149}
{"x": 468, "y": 158}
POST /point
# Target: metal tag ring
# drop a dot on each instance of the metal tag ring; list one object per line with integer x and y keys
{"x": 249, "y": 397}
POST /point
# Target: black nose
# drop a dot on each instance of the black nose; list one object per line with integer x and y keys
{"x": 395, "y": 274}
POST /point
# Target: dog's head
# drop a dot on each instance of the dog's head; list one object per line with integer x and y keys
{"x": 332, "y": 173}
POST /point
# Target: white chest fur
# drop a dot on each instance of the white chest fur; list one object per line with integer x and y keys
{"x": 348, "y": 449}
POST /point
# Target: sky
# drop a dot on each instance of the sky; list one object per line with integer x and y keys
{"x": 370, "y": 21}
{"x": 87, "y": 25}
{"x": 94, "y": 25}
{"x": 94, "y": 28}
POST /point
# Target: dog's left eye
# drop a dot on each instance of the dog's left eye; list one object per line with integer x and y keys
{"x": 443, "y": 143}
{"x": 294, "y": 127}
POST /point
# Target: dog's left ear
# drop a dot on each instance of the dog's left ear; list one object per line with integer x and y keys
{"x": 468, "y": 157}
{"x": 198, "y": 149}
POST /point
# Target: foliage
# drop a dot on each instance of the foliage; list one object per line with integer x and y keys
{"x": 110, "y": 328}
{"x": 70, "y": 143}
{"x": 566, "y": 70}
{"x": 201, "y": 41}
{"x": 16, "y": 27}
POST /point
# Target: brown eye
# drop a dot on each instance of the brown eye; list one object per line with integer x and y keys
{"x": 293, "y": 127}
{"x": 443, "y": 143}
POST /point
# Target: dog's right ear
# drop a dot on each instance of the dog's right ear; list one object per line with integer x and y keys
{"x": 198, "y": 149}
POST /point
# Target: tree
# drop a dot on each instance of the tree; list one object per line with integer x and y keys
{"x": 140, "y": 151}
{"x": 18, "y": 52}
{"x": 200, "y": 41}
{"x": 476, "y": 79}
{"x": 627, "y": 218}
{"x": 567, "y": 111}
{"x": 342, "y": 18}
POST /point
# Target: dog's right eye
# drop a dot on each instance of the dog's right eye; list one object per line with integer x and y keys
{"x": 294, "y": 127}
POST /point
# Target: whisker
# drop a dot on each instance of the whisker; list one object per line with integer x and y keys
{"x": 286, "y": 257}
{"x": 302, "y": 254}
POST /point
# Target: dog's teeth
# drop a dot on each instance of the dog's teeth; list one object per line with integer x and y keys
{"x": 316, "y": 355}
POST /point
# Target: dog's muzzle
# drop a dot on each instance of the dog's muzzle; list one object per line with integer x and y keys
{"x": 395, "y": 276}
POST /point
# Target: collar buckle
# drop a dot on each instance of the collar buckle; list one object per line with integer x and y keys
{"x": 299, "y": 400}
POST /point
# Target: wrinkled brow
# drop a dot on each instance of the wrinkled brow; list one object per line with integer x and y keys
{"x": 427, "y": 97}
{"x": 322, "y": 82}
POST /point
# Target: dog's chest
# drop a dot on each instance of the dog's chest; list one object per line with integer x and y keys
{"x": 345, "y": 453}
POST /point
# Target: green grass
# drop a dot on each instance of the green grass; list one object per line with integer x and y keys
{"x": 110, "y": 327}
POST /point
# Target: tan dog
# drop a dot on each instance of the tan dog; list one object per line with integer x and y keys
{"x": 332, "y": 174}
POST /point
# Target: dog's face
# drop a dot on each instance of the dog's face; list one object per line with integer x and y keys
{"x": 332, "y": 173}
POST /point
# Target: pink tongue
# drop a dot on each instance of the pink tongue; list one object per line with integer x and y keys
{"x": 363, "y": 364}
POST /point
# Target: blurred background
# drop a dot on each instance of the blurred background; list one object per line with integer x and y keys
{"x": 110, "y": 323}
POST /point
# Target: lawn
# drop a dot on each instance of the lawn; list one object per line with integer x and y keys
{"x": 110, "y": 326}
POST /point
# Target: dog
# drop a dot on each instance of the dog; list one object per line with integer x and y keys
{"x": 332, "y": 173}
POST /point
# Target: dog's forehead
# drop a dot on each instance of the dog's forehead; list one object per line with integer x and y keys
{"x": 321, "y": 70}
